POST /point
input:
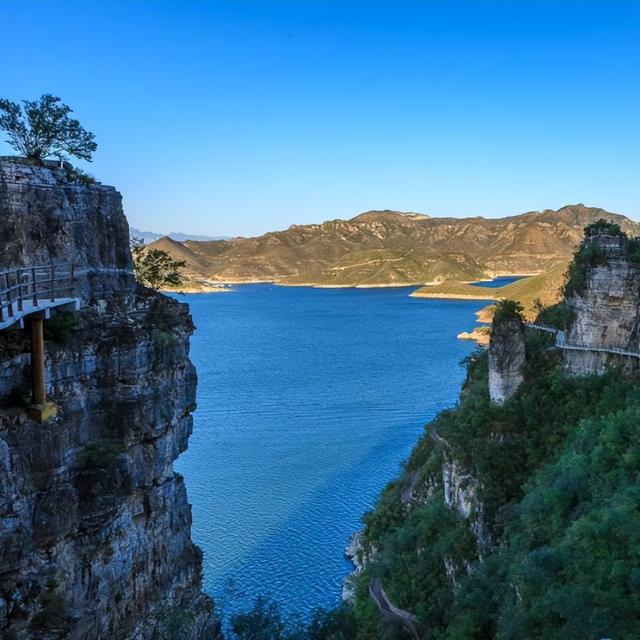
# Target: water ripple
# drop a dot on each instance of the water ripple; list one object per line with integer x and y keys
{"x": 308, "y": 401}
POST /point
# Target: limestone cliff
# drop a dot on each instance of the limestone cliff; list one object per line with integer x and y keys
{"x": 605, "y": 306}
{"x": 506, "y": 358}
{"x": 94, "y": 523}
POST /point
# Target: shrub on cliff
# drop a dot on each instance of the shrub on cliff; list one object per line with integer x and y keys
{"x": 603, "y": 227}
{"x": 155, "y": 268}
{"x": 589, "y": 255}
{"x": 42, "y": 129}
{"x": 507, "y": 310}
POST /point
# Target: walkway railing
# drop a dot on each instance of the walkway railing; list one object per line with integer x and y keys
{"x": 561, "y": 342}
{"x": 30, "y": 287}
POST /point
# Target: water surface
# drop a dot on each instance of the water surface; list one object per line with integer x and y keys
{"x": 308, "y": 401}
{"x": 501, "y": 281}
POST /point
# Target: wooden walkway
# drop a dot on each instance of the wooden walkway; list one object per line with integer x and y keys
{"x": 561, "y": 342}
{"x": 32, "y": 290}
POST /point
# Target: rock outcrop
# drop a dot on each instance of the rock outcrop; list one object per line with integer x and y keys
{"x": 94, "y": 523}
{"x": 506, "y": 358}
{"x": 605, "y": 311}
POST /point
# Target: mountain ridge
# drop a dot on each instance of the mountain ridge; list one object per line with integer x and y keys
{"x": 391, "y": 248}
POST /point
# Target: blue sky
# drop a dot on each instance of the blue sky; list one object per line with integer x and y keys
{"x": 239, "y": 117}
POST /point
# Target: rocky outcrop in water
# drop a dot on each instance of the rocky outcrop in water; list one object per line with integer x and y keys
{"x": 506, "y": 358}
{"x": 94, "y": 523}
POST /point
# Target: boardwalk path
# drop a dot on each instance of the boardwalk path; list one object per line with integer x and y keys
{"x": 391, "y": 612}
{"x": 561, "y": 343}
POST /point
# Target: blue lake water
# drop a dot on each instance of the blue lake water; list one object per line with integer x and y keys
{"x": 308, "y": 401}
{"x": 497, "y": 282}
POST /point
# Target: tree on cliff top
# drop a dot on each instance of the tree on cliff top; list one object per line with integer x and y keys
{"x": 42, "y": 128}
{"x": 507, "y": 310}
{"x": 155, "y": 268}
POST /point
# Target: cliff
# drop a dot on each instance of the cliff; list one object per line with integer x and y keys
{"x": 94, "y": 523}
{"x": 506, "y": 358}
{"x": 518, "y": 518}
{"x": 381, "y": 248}
{"x": 604, "y": 304}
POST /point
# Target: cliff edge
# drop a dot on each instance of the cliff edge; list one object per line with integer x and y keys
{"x": 94, "y": 522}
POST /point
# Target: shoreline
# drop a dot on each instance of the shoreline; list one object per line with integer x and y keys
{"x": 380, "y": 285}
{"x": 453, "y": 296}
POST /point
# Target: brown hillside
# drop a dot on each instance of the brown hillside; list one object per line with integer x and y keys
{"x": 380, "y": 248}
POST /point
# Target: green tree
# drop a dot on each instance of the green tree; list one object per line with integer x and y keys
{"x": 266, "y": 622}
{"x": 506, "y": 310}
{"x": 42, "y": 128}
{"x": 155, "y": 268}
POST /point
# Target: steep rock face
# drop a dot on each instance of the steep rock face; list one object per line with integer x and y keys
{"x": 461, "y": 495}
{"x": 506, "y": 359}
{"x": 94, "y": 523}
{"x": 606, "y": 312}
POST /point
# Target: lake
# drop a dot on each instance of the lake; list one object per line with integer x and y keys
{"x": 500, "y": 281}
{"x": 308, "y": 401}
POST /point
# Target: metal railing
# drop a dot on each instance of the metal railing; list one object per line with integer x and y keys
{"x": 31, "y": 286}
{"x": 561, "y": 343}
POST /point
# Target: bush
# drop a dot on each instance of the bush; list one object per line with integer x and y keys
{"x": 603, "y": 227}
{"x": 507, "y": 310}
{"x": 586, "y": 257}
{"x": 61, "y": 326}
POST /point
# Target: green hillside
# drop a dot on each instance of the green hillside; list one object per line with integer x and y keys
{"x": 544, "y": 288}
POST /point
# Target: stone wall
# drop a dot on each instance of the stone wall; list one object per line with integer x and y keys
{"x": 94, "y": 523}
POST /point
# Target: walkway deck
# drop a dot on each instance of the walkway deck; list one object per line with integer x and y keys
{"x": 25, "y": 291}
{"x": 43, "y": 306}
{"x": 561, "y": 343}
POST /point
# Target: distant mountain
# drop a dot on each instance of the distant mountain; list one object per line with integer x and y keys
{"x": 151, "y": 236}
{"x": 381, "y": 248}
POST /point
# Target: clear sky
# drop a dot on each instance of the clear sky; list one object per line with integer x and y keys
{"x": 239, "y": 117}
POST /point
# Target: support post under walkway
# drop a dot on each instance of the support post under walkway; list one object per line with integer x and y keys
{"x": 40, "y": 410}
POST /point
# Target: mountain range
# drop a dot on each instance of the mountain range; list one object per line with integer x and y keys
{"x": 151, "y": 236}
{"x": 391, "y": 248}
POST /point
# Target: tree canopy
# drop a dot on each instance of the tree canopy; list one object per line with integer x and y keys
{"x": 155, "y": 268}
{"x": 40, "y": 129}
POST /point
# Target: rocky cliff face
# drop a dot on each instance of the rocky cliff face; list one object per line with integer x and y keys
{"x": 94, "y": 523}
{"x": 506, "y": 359}
{"x": 606, "y": 310}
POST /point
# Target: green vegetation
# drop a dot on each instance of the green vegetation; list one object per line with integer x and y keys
{"x": 42, "y": 129}
{"x": 265, "y": 621}
{"x": 61, "y": 327}
{"x": 155, "y": 268}
{"x": 555, "y": 473}
{"x": 165, "y": 339}
{"x": 524, "y": 520}
{"x": 603, "y": 227}
{"x": 506, "y": 310}
{"x": 589, "y": 255}
{"x": 558, "y": 315}
{"x": 99, "y": 453}
{"x": 543, "y": 289}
